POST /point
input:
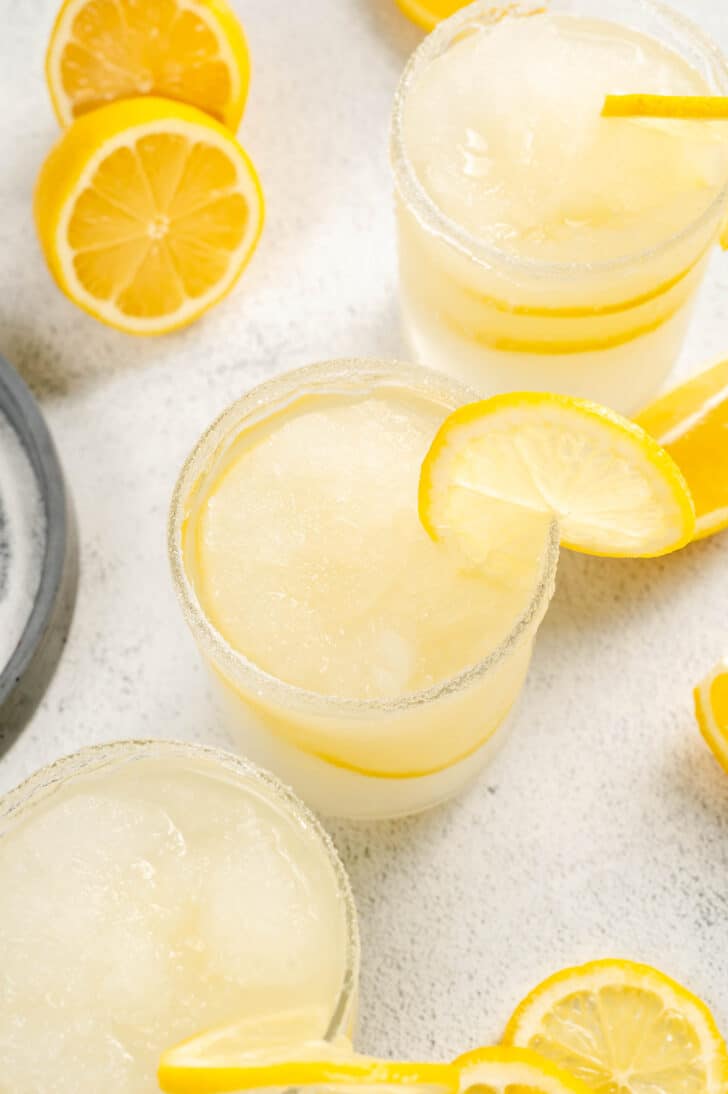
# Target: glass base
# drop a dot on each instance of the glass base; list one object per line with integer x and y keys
{"x": 337, "y": 791}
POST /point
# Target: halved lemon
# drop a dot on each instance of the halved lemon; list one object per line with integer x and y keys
{"x": 624, "y": 1028}
{"x": 711, "y": 711}
{"x": 691, "y": 422}
{"x": 190, "y": 50}
{"x": 611, "y": 487}
{"x": 428, "y": 13}
{"x": 507, "y": 1070}
{"x": 213, "y": 1063}
{"x": 147, "y": 212}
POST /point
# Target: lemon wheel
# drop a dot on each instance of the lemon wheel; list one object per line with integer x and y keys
{"x": 623, "y": 1027}
{"x": 507, "y": 1070}
{"x": 613, "y": 490}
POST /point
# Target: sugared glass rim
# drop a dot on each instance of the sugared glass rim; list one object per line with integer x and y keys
{"x": 345, "y": 374}
{"x": 432, "y": 218}
{"x": 15, "y": 803}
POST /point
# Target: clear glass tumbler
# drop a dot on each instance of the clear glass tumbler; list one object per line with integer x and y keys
{"x": 347, "y": 755}
{"x": 607, "y": 329}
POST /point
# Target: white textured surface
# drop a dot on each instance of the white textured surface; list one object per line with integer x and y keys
{"x": 602, "y": 826}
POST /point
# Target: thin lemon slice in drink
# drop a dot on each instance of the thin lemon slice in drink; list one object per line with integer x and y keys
{"x": 428, "y": 13}
{"x": 190, "y": 50}
{"x": 623, "y": 1027}
{"x": 682, "y": 107}
{"x": 222, "y": 1061}
{"x": 691, "y": 422}
{"x": 612, "y": 488}
{"x": 147, "y": 212}
{"x": 503, "y": 1069}
{"x": 711, "y": 711}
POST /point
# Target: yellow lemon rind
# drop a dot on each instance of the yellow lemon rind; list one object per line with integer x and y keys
{"x": 316, "y": 1066}
{"x": 222, "y": 22}
{"x": 715, "y": 738}
{"x": 655, "y": 454}
{"x": 418, "y": 13}
{"x": 673, "y": 416}
{"x": 72, "y": 162}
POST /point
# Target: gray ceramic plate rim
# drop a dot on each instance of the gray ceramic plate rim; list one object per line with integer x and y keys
{"x": 22, "y": 411}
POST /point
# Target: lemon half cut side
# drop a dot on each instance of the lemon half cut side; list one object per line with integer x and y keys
{"x": 193, "y": 51}
{"x": 147, "y": 212}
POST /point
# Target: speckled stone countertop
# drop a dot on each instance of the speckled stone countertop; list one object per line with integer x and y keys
{"x": 602, "y": 826}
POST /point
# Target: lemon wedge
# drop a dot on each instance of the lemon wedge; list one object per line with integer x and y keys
{"x": 147, "y": 212}
{"x": 623, "y": 1027}
{"x": 613, "y": 490}
{"x": 507, "y": 1070}
{"x": 191, "y": 50}
{"x": 691, "y": 423}
{"x": 218, "y": 1062}
{"x": 711, "y": 711}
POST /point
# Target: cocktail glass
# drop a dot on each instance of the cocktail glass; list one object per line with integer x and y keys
{"x": 357, "y": 739}
{"x": 150, "y": 890}
{"x": 506, "y": 316}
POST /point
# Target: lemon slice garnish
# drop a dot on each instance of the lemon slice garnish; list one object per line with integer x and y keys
{"x": 711, "y": 711}
{"x": 225, "y": 1060}
{"x": 686, "y": 107}
{"x": 507, "y": 1070}
{"x": 619, "y": 1026}
{"x": 190, "y": 50}
{"x": 147, "y": 212}
{"x": 613, "y": 490}
{"x": 691, "y": 423}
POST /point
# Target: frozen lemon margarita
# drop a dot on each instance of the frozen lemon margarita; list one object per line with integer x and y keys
{"x": 543, "y": 246}
{"x": 149, "y": 890}
{"x": 366, "y": 663}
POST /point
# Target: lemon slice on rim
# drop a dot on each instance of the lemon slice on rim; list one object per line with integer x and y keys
{"x": 623, "y": 1027}
{"x": 503, "y": 1069}
{"x": 147, "y": 212}
{"x": 691, "y": 423}
{"x": 711, "y": 711}
{"x": 613, "y": 490}
{"x": 190, "y": 50}
{"x": 213, "y": 1063}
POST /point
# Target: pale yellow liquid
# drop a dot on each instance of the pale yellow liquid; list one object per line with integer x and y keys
{"x": 145, "y": 903}
{"x": 504, "y": 132}
{"x": 310, "y": 559}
